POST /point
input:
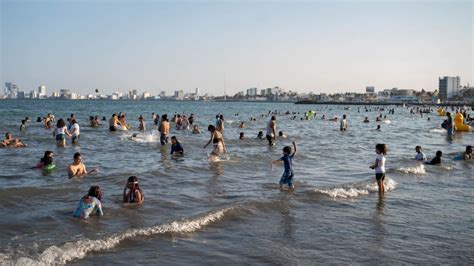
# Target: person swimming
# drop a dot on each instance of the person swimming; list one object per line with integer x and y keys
{"x": 241, "y": 135}
{"x": 196, "y": 130}
{"x": 46, "y": 161}
{"x": 10, "y": 141}
{"x": 436, "y": 160}
{"x": 90, "y": 204}
{"x": 260, "y": 135}
{"x": 134, "y": 193}
{"x": 281, "y": 135}
{"x": 366, "y": 120}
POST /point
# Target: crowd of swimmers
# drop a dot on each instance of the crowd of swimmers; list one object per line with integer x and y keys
{"x": 132, "y": 193}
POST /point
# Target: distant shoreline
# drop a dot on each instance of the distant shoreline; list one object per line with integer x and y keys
{"x": 385, "y": 103}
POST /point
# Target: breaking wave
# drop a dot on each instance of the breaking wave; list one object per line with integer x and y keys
{"x": 417, "y": 170}
{"x": 79, "y": 249}
{"x": 355, "y": 190}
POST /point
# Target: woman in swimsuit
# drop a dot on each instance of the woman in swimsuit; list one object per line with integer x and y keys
{"x": 218, "y": 140}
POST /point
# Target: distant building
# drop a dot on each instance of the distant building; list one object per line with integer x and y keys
{"x": 42, "y": 91}
{"x": 252, "y": 92}
{"x": 196, "y": 93}
{"x": 33, "y": 94}
{"x": 11, "y": 90}
{"x": 66, "y": 94}
{"x": 179, "y": 95}
{"x": 370, "y": 90}
{"x": 146, "y": 95}
{"x": 449, "y": 87}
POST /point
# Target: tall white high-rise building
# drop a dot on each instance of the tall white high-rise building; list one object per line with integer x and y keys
{"x": 252, "y": 92}
{"x": 197, "y": 92}
{"x": 42, "y": 91}
{"x": 449, "y": 87}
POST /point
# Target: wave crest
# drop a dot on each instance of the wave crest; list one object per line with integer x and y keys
{"x": 79, "y": 249}
{"x": 417, "y": 170}
{"x": 355, "y": 190}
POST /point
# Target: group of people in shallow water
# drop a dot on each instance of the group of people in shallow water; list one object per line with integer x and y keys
{"x": 132, "y": 193}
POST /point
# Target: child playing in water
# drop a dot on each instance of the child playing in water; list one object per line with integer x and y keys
{"x": 196, "y": 130}
{"x": 420, "y": 156}
{"x": 467, "y": 155}
{"x": 379, "y": 166}
{"x": 90, "y": 203}
{"x": 176, "y": 146}
{"x": 46, "y": 161}
{"x": 23, "y": 125}
{"x": 288, "y": 155}
{"x": 134, "y": 194}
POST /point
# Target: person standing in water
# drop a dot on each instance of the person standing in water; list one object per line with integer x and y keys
{"x": 60, "y": 133}
{"x": 164, "y": 129}
{"x": 450, "y": 125}
{"x": 288, "y": 155}
{"x": 218, "y": 140}
{"x": 379, "y": 166}
{"x": 141, "y": 123}
{"x": 220, "y": 124}
{"x": 113, "y": 122}
{"x": 74, "y": 131}
{"x": 271, "y": 131}
{"x": 344, "y": 123}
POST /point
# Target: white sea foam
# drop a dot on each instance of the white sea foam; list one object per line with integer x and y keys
{"x": 142, "y": 138}
{"x": 438, "y": 130}
{"x": 80, "y": 249}
{"x": 356, "y": 190}
{"x": 417, "y": 170}
{"x": 387, "y": 121}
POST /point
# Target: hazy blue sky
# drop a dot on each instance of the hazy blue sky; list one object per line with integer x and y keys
{"x": 320, "y": 46}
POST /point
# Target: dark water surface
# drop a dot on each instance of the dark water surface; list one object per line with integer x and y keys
{"x": 201, "y": 212}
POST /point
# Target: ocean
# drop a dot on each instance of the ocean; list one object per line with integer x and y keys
{"x": 231, "y": 211}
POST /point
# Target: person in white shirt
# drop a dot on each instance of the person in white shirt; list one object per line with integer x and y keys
{"x": 379, "y": 166}
{"x": 344, "y": 123}
{"x": 74, "y": 131}
{"x": 420, "y": 156}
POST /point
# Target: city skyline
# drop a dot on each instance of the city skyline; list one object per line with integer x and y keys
{"x": 306, "y": 47}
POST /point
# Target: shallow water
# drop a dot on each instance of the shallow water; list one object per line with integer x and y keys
{"x": 199, "y": 212}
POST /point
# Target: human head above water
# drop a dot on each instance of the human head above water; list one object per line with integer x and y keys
{"x": 381, "y": 148}
{"x": 287, "y": 150}
{"x": 418, "y": 148}
{"x": 439, "y": 153}
{"x": 95, "y": 191}
{"x": 61, "y": 123}
{"x": 211, "y": 128}
{"x": 77, "y": 156}
{"x": 468, "y": 149}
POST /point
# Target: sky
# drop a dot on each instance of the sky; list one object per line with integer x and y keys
{"x": 303, "y": 46}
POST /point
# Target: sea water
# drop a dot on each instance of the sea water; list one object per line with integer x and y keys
{"x": 201, "y": 212}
